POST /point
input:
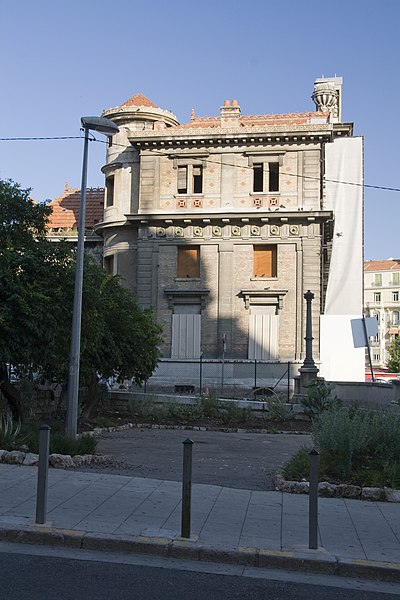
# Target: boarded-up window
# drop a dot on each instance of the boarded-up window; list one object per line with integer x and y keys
{"x": 186, "y": 336}
{"x": 263, "y": 333}
{"x": 265, "y": 261}
{"x": 182, "y": 180}
{"x": 110, "y": 190}
{"x": 188, "y": 264}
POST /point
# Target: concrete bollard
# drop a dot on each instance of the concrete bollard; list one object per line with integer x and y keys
{"x": 43, "y": 469}
{"x": 186, "y": 488}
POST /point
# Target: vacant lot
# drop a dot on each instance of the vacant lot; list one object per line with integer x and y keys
{"x": 237, "y": 460}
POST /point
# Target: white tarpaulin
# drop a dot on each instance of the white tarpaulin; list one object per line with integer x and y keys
{"x": 344, "y": 297}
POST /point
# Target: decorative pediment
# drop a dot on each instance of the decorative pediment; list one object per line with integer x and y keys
{"x": 186, "y": 296}
{"x": 266, "y": 297}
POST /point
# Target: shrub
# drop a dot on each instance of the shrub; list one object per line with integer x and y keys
{"x": 9, "y": 432}
{"x": 232, "y": 414}
{"x": 299, "y": 465}
{"x": 210, "y": 405}
{"x": 62, "y": 444}
{"x": 319, "y": 399}
{"x": 278, "y": 410}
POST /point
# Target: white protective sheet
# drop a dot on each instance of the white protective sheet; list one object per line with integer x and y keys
{"x": 340, "y": 361}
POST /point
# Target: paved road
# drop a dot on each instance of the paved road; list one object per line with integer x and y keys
{"x": 237, "y": 460}
{"x": 30, "y": 573}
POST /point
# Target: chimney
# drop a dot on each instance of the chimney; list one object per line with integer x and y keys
{"x": 230, "y": 114}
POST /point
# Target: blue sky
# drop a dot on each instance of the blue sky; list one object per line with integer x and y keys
{"x": 61, "y": 60}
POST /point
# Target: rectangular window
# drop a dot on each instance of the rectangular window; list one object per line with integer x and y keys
{"x": 182, "y": 180}
{"x": 197, "y": 179}
{"x": 188, "y": 262}
{"x": 396, "y": 278}
{"x": 377, "y": 296}
{"x": 395, "y": 296}
{"x": 109, "y": 264}
{"x": 110, "y": 190}
{"x": 264, "y": 261}
{"x": 263, "y": 333}
{"x": 273, "y": 177}
{"x": 378, "y": 279}
{"x": 377, "y": 357}
{"x": 266, "y": 177}
{"x": 258, "y": 178}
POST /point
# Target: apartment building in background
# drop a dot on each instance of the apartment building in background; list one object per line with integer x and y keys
{"x": 381, "y": 300}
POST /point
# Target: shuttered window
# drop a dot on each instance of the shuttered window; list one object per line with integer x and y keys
{"x": 265, "y": 261}
{"x": 188, "y": 264}
{"x": 263, "y": 333}
{"x": 182, "y": 180}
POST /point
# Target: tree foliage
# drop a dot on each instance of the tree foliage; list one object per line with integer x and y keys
{"x": 36, "y": 298}
{"x": 393, "y": 363}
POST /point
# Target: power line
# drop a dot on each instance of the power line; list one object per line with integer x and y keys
{"x": 29, "y": 139}
{"x": 94, "y": 139}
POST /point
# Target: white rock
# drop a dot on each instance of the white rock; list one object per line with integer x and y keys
{"x": 3, "y": 455}
{"x": 372, "y": 493}
{"x": 61, "y": 461}
{"x": 31, "y": 459}
{"x": 327, "y": 489}
{"x": 392, "y": 495}
{"x": 15, "y": 457}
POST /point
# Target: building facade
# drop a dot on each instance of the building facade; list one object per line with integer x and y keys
{"x": 223, "y": 223}
{"x": 381, "y": 300}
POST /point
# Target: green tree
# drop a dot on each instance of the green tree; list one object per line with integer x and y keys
{"x": 393, "y": 363}
{"x": 36, "y": 297}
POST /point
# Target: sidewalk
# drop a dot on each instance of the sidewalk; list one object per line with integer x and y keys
{"x": 132, "y": 514}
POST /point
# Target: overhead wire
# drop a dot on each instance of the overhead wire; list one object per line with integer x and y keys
{"x": 209, "y": 160}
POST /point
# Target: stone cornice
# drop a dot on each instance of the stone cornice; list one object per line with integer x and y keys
{"x": 242, "y": 217}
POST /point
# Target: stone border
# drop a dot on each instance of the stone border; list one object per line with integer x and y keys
{"x": 342, "y": 490}
{"x": 98, "y": 430}
{"x": 57, "y": 461}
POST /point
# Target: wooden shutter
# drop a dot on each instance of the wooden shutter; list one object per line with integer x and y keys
{"x": 263, "y": 336}
{"x": 188, "y": 262}
{"x": 182, "y": 180}
{"x": 186, "y": 336}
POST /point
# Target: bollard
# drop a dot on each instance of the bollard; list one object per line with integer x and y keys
{"x": 186, "y": 488}
{"x": 313, "y": 501}
{"x": 43, "y": 469}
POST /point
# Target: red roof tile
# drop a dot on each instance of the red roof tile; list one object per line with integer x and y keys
{"x": 65, "y": 213}
{"x": 255, "y": 120}
{"x": 139, "y": 100}
{"x": 382, "y": 265}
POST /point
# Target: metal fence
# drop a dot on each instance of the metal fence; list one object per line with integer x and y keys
{"x": 230, "y": 378}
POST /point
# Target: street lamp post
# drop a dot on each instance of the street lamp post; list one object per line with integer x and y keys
{"x": 108, "y": 128}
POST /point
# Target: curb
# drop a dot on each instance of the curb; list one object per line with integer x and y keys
{"x": 313, "y": 561}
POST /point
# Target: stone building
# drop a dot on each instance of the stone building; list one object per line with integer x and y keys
{"x": 223, "y": 223}
{"x": 381, "y": 300}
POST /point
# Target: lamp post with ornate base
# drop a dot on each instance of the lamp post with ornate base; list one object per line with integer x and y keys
{"x": 309, "y": 370}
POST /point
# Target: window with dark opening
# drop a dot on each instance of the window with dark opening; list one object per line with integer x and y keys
{"x": 109, "y": 264}
{"x": 273, "y": 177}
{"x": 188, "y": 264}
{"x": 110, "y": 191}
{"x": 197, "y": 179}
{"x": 258, "y": 178}
{"x": 265, "y": 261}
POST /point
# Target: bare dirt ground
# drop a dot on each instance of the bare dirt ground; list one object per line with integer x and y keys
{"x": 237, "y": 460}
